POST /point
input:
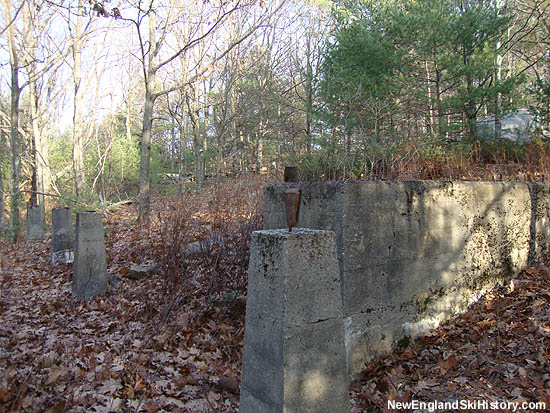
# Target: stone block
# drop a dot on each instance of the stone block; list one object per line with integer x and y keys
{"x": 62, "y": 248}
{"x": 137, "y": 272}
{"x": 35, "y": 222}
{"x": 294, "y": 354}
{"x": 90, "y": 266}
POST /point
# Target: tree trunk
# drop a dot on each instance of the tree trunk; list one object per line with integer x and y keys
{"x": 498, "y": 76}
{"x": 147, "y": 129}
{"x": 33, "y": 199}
{"x": 440, "y": 114}
{"x": 260, "y": 142}
{"x": 309, "y": 95}
{"x": 220, "y": 143}
{"x": 14, "y": 128}
{"x": 470, "y": 106}
{"x": 173, "y": 145}
{"x": 78, "y": 163}
{"x": 14, "y": 151}
{"x": 181, "y": 153}
{"x": 193, "y": 113}
{"x": 145, "y": 157}
{"x": 2, "y": 208}
{"x": 430, "y": 99}
{"x": 469, "y": 110}
{"x": 234, "y": 136}
{"x": 41, "y": 181}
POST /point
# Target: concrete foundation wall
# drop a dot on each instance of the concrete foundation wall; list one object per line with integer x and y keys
{"x": 412, "y": 254}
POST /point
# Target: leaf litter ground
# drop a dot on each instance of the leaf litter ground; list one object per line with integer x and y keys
{"x": 146, "y": 347}
{"x": 497, "y": 351}
{"x": 138, "y": 348}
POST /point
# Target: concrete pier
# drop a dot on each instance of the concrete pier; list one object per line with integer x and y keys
{"x": 35, "y": 222}
{"x": 294, "y": 355}
{"x": 90, "y": 265}
{"x": 62, "y": 236}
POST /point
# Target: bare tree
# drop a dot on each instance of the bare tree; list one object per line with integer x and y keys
{"x": 78, "y": 40}
{"x": 45, "y": 95}
{"x": 15, "y": 95}
{"x": 202, "y": 20}
{"x": 25, "y": 25}
{"x": 33, "y": 52}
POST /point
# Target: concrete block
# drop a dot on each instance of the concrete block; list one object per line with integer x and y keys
{"x": 413, "y": 254}
{"x": 35, "y": 222}
{"x": 294, "y": 355}
{"x": 90, "y": 266}
{"x": 62, "y": 236}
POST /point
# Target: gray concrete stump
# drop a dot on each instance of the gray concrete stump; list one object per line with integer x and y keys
{"x": 90, "y": 266}
{"x": 35, "y": 222}
{"x": 294, "y": 358}
{"x": 62, "y": 236}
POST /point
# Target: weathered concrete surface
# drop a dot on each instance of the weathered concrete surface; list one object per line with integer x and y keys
{"x": 294, "y": 356}
{"x": 90, "y": 267}
{"x": 62, "y": 235}
{"x": 35, "y": 222}
{"x": 413, "y": 254}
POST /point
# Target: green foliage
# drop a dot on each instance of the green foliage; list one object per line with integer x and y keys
{"x": 125, "y": 159}
{"x": 158, "y": 166}
{"x": 540, "y": 89}
{"x": 433, "y": 61}
{"x": 61, "y": 161}
{"x": 382, "y": 160}
{"x": 88, "y": 201}
{"x": 491, "y": 150}
{"x": 377, "y": 64}
{"x": 323, "y": 164}
{"x": 120, "y": 169}
{"x": 359, "y": 67}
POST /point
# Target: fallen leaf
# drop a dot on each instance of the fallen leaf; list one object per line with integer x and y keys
{"x": 55, "y": 374}
{"x": 446, "y": 365}
{"x": 59, "y": 407}
{"x": 229, "y": 384}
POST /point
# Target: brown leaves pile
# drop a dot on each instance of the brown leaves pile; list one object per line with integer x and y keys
{"x": 498, "y": 350}
{"x": 114, "y": 353}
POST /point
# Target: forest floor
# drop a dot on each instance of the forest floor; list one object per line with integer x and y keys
{"x": 156, "y": 344}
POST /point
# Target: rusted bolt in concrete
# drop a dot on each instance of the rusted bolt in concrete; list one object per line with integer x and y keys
{"x": 292, "y": 206}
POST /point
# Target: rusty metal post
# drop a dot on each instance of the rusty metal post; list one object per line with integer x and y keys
{"x": 291, "y": 173}
{"x": 292, "y": 206}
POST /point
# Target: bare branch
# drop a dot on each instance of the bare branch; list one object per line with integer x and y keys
{"x": 12, "y": 21}
{"x": 221, "y": 56}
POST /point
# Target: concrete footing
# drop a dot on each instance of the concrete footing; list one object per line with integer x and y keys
{"x": 62, "y": 236}
{"x": 90, "y": 267}
{"x": 294, "y": 355}
{"x": 35, "y": 222}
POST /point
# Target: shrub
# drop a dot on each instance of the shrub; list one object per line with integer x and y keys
{"x": 217, "y": 222}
